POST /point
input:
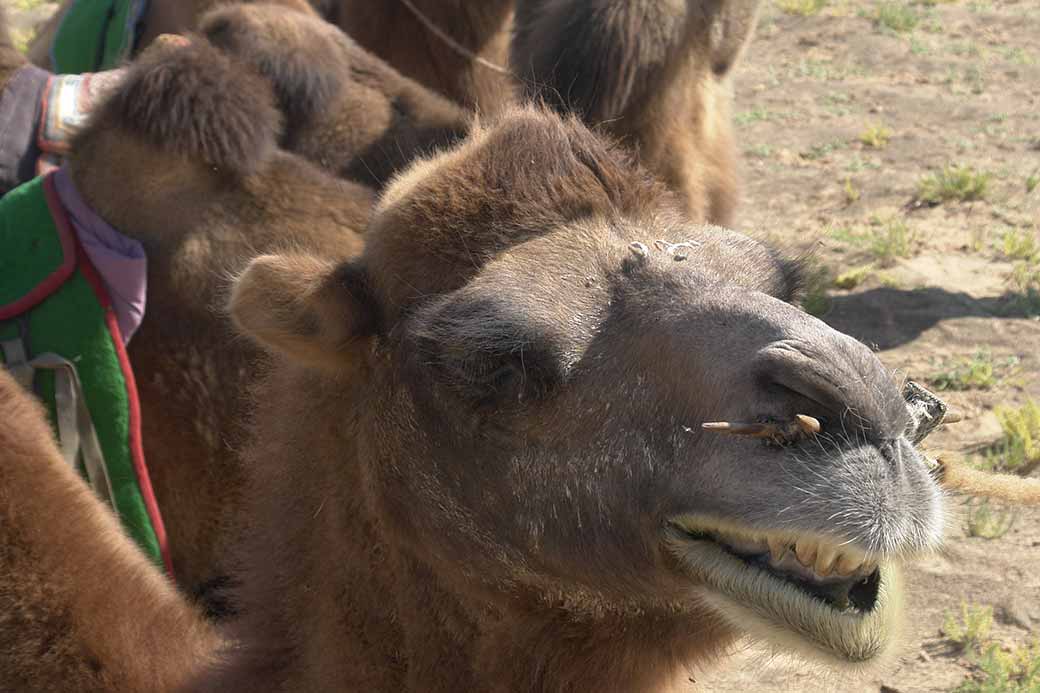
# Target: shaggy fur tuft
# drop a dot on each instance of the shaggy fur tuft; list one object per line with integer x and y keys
{"x": 297, "y": 56}
{"x": 194, "y": 100}
{"x": 595, "y": 57}
{"x": 602, "y": 57}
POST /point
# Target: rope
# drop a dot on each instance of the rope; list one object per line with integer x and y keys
{"x": 957, "y": 476}
{"x": 452, "y": 43}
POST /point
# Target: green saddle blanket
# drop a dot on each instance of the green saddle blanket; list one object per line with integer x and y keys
{"x": 96, "y": 35}
{"x": 59, "y": 335}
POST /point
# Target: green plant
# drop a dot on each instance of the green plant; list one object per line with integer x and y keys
{"x": 979, "y": 372}
{"x": 896, "y": 16}
{"x": 852, "y": 278}
{"x": 816, "y": 301}
{"x": 1019, "y": 56}
{"x": 892, "y": 240}
{"x": 852, "y": 193}
{"x": 1021, "y": 244}
{"x": 760, "y": 151}
{"x": 979, "y": 235}
{"x": 988, "y": 523}
{"x": 961, "y": 183}
{"x": 756, "y": 114}
{"x": 875, "y": 136}
{"x": 1025, "y": 282}
{"x": 1032, "y": 180}
{"x": 919, "y": 47}
{"x": 1002, "y": 669}
{"x": 971, "y": 629}
{"x": 802, "y": 8}
{"x": 1021, "y": 442}
{"x": 818, "y": 151}
{"x": 883, "y": 241}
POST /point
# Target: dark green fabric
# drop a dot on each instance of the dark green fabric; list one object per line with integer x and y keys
{"x": 71, "y": 323}
{"x": 95, "y": 35}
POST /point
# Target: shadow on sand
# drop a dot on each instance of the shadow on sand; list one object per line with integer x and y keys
{"x": 885, "y": 318}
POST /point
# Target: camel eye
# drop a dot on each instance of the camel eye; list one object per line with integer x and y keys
{"x": 474, "y": 352}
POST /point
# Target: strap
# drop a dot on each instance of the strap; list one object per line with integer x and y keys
{"x": 15, "y": 361}
{"x": 76, "y": 434}
{"x": 75, "y": 427}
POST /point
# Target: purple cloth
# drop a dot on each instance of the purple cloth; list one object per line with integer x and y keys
{"x": 19, "y": 114}
{"x": 119, "y": 260}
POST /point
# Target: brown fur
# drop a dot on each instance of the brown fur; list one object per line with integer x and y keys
{"x": 229, "y": 125}
{"x": 441, "y": 630}
{"x": 162, "y": 17}
{"x": 654, "y": 73}
{"x": 390, "y": 31}
{"x": 83, "y": 609}
{"x": 150, "y": 173}
{"x": 345, "y": 109}
{"x": 426, "y": 549}
{"x": 466, "y": 454}
{"x": 188, "y": 365}
{"x": 200, "y": 225}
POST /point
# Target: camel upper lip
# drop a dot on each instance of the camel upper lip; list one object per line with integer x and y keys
{"x": 809, "y": 555}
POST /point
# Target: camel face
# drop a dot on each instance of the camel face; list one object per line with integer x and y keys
{"x": 544, "y": 336}
{"x": 574, "y": 381}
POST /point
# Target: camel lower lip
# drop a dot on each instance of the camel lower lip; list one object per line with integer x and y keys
{"x": 855, "y": 592}
{"x": 793, "y": 613}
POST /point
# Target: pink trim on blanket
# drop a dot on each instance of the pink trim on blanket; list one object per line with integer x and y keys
{"x": 144, "y": 481}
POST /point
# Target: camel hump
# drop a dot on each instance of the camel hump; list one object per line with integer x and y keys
{"x": 193, "y": 100}
{"x": 602, "y": 58}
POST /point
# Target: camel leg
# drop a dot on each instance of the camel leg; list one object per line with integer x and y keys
{"x": 80, "y": 607}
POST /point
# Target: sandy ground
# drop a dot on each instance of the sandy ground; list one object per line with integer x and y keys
{"x": 962, "y": 86}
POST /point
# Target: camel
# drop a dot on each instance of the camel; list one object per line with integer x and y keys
{"x": 65, "y": 623}
{"x": 390, "y": 30}
{"x": 334, "y": 100}
{"x": 485, "y": 450}
{"x": 344, "y": 109}
{"x": 653, "y": 73}
{"x": 207, "y": 212}
{"x": 334, "y": 103}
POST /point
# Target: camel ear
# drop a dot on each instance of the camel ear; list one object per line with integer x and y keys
{"x": 305, "y": 308}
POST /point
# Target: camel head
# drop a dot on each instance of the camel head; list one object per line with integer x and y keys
{"x": 343, "y": 108}
{"x": 542, "y": 338}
